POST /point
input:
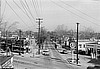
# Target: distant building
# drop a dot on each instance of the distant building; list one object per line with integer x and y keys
{"x": 15, "y": 36}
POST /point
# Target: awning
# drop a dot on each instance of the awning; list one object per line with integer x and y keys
{"x": 93, "y": 45}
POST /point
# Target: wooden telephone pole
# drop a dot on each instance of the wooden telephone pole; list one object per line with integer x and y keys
{"x": 0, "y": 24}
{"x": 39, "y": 22}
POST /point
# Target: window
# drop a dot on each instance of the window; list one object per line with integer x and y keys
{"x": 98, "y": 51}
{"x": 80, "y": 45}
{"x": 84, "y": 46}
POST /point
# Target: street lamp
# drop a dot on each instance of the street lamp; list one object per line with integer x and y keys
{"x": 77, "y": 43}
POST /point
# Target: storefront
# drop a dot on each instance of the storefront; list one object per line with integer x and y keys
{"x": 93, "y": 49}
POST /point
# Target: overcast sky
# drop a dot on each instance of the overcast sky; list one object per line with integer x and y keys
{"x": 54, "y": 12}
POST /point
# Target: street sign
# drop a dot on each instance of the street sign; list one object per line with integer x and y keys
{"x": 73, "y": 45}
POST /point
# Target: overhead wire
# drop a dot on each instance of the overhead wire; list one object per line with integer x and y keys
{"x": 35, "y": 8}
{"x": 29, "y": 10}
{"x": 23, "y": 11}
{"x": 78, "y": 10}
{"x": 41, "y": 7}
{"x": 25, "y": 8}
{"x": 16, "y": 13}
{"x": 74, "y": 13}
{"x": 3, "y": 11}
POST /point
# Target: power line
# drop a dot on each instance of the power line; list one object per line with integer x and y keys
{"x": 38, "y": 7}
{"x": 29, "y": 10}
{"x": 73, "y": 13}
{"x": 25, "y": 8}
{"x": 34, "y": 8}
{"x": 78, "y": 10}
{"x": 3, "y": 11}
{"x": 23, "y": 5}
{"x": 36, "y": 3}
{"x": 16, "y": 13}
{"x": 22, "y": 10}
{"x": 39, "y": 23}
{"x": 41, "y": 7}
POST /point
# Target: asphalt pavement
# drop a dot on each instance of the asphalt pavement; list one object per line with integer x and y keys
{"x": 53, "y": 61}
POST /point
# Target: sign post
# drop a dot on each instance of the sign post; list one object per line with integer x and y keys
{"x": 72, "y": 45}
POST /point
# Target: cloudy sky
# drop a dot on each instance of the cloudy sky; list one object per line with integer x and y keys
{"x": 53, "y": 12}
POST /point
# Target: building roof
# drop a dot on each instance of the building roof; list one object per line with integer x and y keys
{"x": 85, "y": 40}
{"x": 92, "y": 45}
{"x": 3, "y": 59}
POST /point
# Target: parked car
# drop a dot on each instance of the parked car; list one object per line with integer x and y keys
{"x": 95, "y": 67}
{"x": 46, "y": 52}
{"x": 73, "y": 61}
{"x": 65, "y": 51}
{"x": 61, "y": 50}
{"x": 79, "y": 52}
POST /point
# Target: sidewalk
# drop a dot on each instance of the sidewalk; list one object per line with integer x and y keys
{"x": 27, "y": 59}
{"x": 82, "y": 58}
{"x": 30, "y": 55}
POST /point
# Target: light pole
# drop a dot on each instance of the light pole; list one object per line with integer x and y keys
{"x": 77, "y": 44}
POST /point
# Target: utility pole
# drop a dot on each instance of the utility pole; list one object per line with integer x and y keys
{"x": 39, "y": 22}
{"x": 20, "y": 41}
{"x": 0, "y": 24}
{"x": 77, "y": 43}
{"x": 0, "y": 11}
{"x": 42, "y": 35}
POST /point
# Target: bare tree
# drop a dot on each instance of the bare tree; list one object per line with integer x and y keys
{"x": 5, "y": 28}
{"x": 87, "y": 33}
{"x": 12, "y": 27}
{"x": 61, "y": 30}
